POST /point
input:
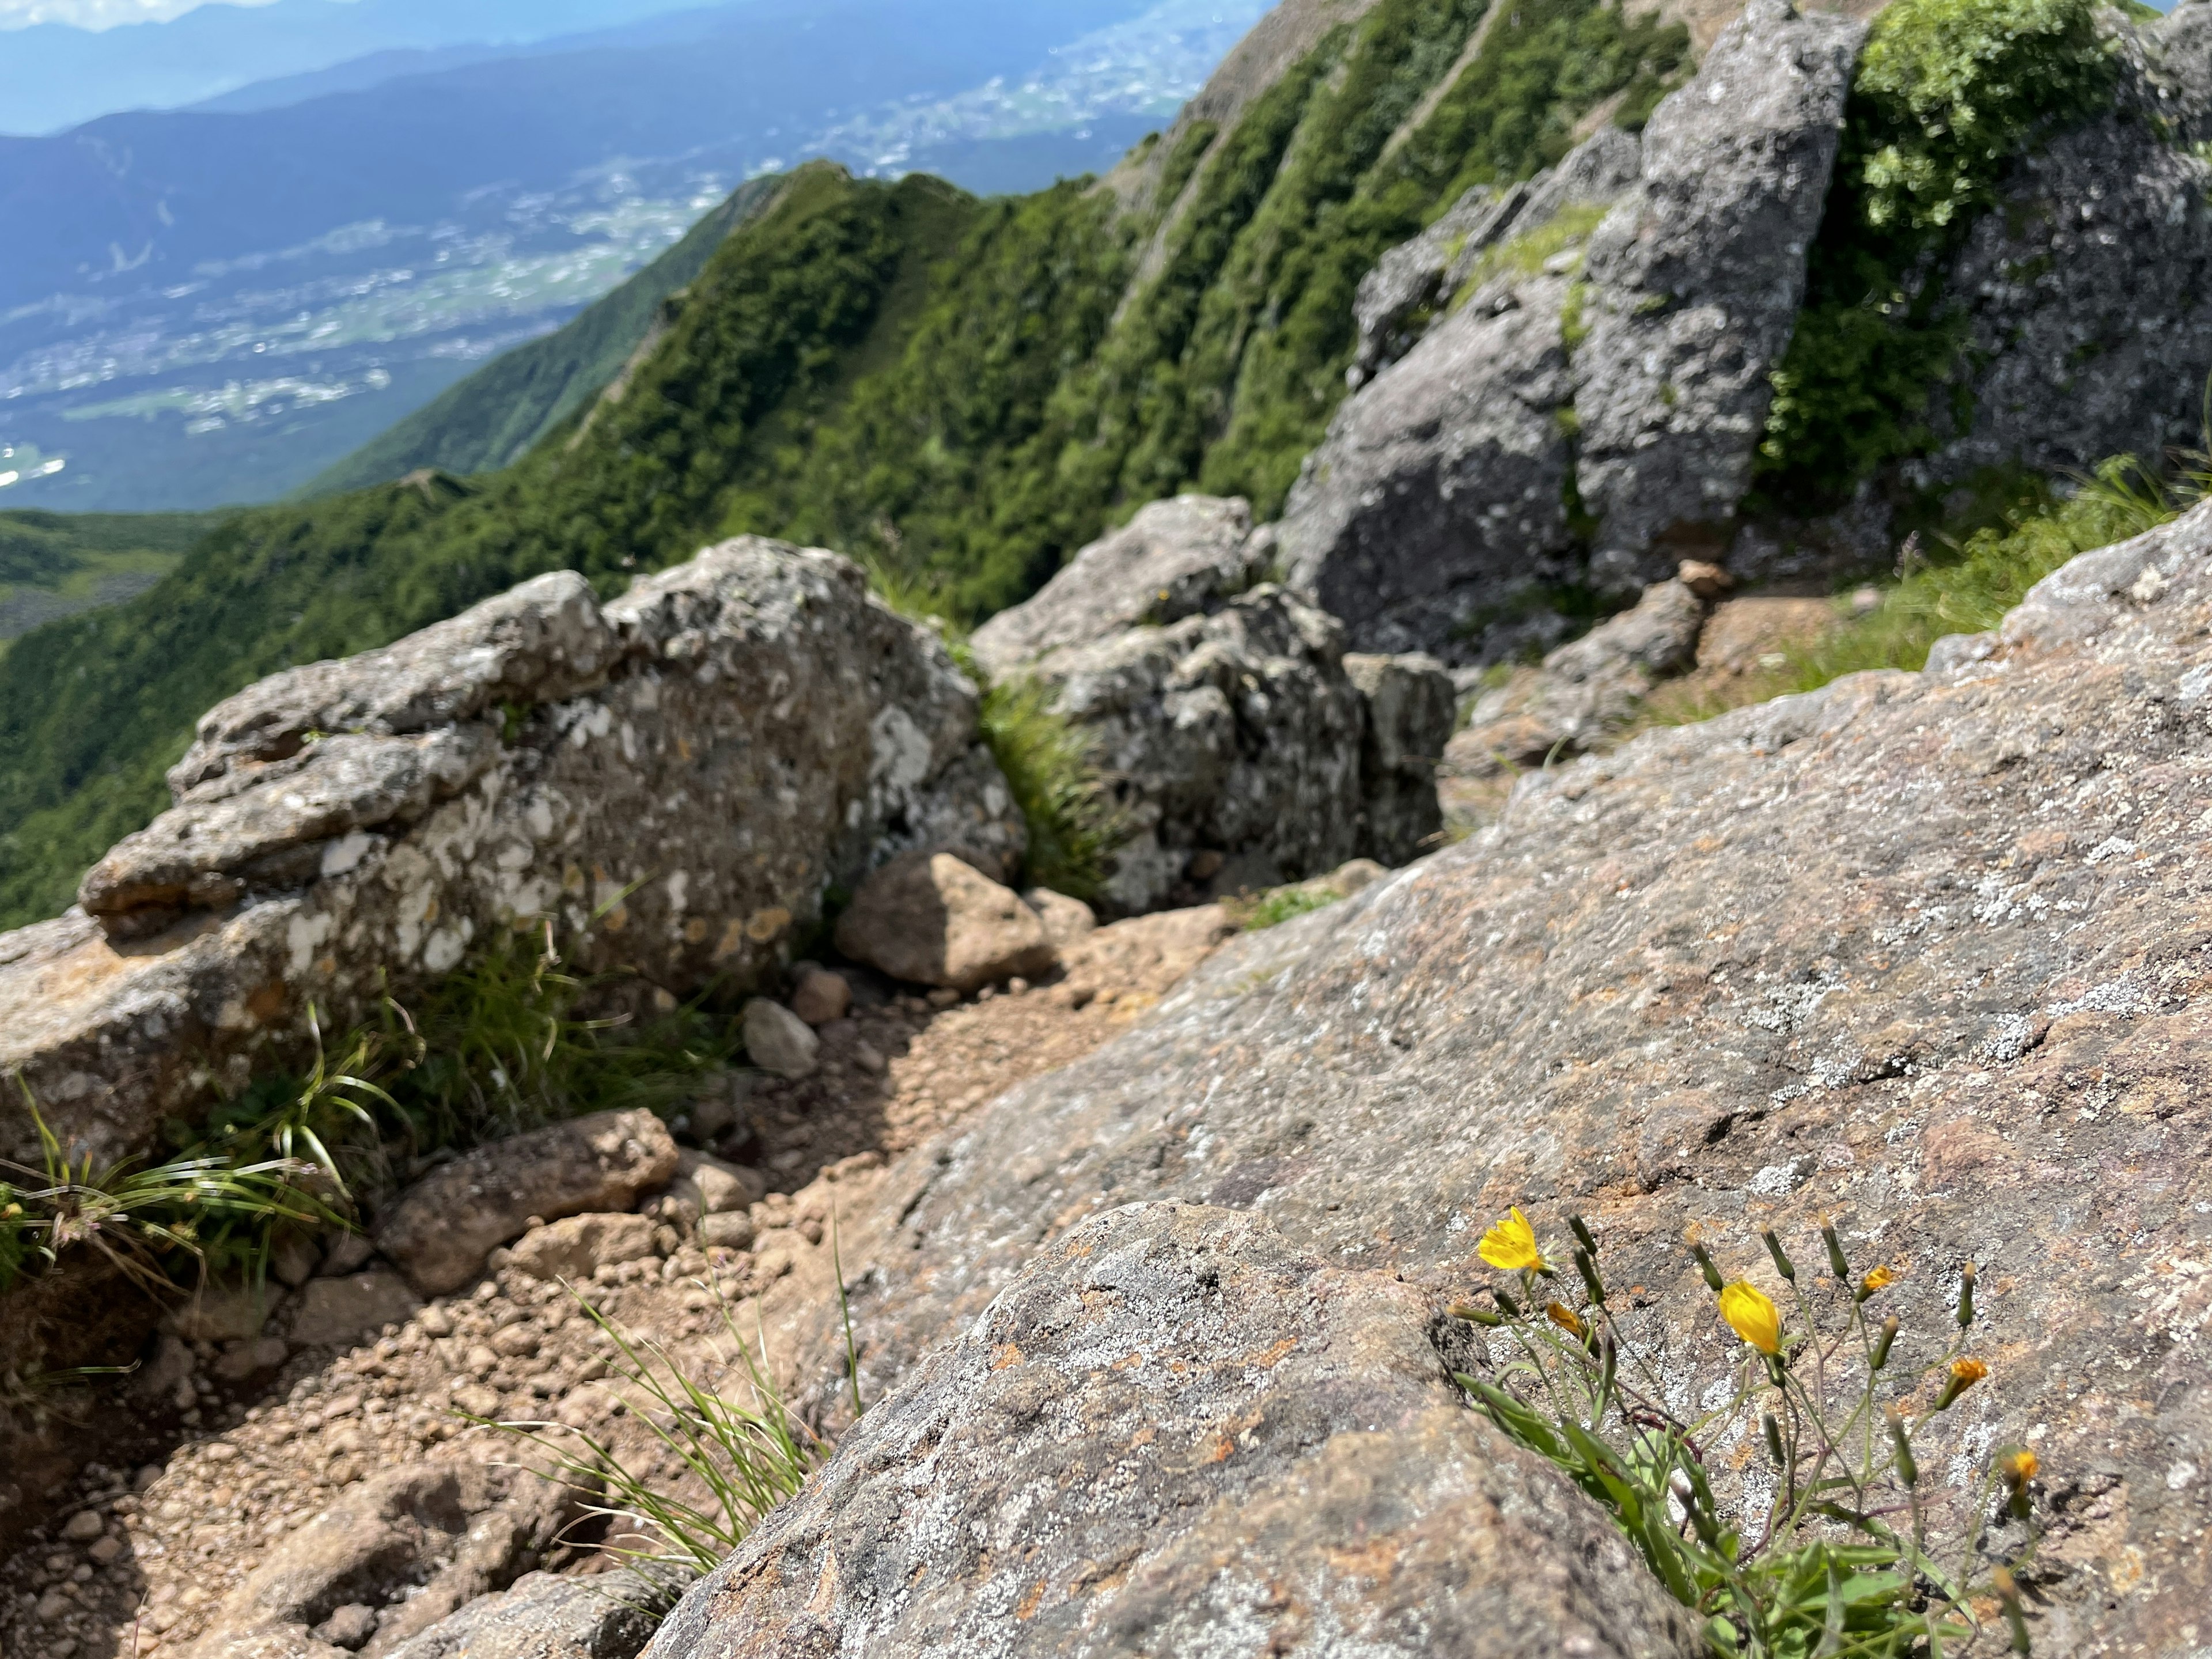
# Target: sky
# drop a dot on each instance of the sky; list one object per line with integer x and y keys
{"x": 97, "y": 14}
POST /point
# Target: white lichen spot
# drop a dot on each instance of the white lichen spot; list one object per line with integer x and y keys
{"x": 443, "y": 951}
{"x": 898, "y": 756}
{"x": 304, "y": 935}
{"x": 679, "y": 886}
{"x": 342, "y": 856}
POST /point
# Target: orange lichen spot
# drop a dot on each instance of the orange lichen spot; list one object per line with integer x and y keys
{"x": 1007, "y": 1353}
{"x": 1026, "y": 1610}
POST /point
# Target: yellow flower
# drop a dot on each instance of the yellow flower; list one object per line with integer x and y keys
{"x": 2018, "y": 1467}
{"x": 1880, "y": 1279}
{"x": 1752, "y": 1316}
{"x": 1511, "y": 1245}
{"x": 1964, "y": 1373}
{"x": 1567, "y": 1320}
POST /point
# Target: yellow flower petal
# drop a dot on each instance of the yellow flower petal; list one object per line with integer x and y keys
{"x": 1752, "y": 1316}
{"x": 1510, "y": 1246}
{"x": 1567, "y": 1320}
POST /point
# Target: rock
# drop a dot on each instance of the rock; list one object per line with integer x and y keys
{"x": 1180, "y": 558}
{"x": 572, "y": 1247}
{"x": 1923, "y": 953}
{"x": 441, "y": 1229}
{"x": 1065, "y": 920}
{"x": 1260, "y": 1412}
{"x": 83, "y": 1527}
{"x": 538, "y": 756}
{"x": 1693, "y": 282}
{"x": 350, "y": 1628}
{"x": 293, "y": 1259}
{"x": 934, "y": 919}
{"x": 241, "y": 1360}
{"x": 1587, "y": 690}
{"x": 712, "y": 1185}
{"x": 337, "y": 1312}
{"x": 778, "y": 1040}
{"x": 220, "y": 1312}
{"x": 1434, "y": 514}
{"x": 1237, "y": 736}
{"x": 1742, "y": 634}
{"x": 411, "y": 1546}
{"x": 732, "y": 1230}
{"x": 348, "y": 1252}
{"x": 819, "y": 996}
{"x": 1145, "y": 957}
{"x": 1411, "y": 710}
{"x": 612, "y": 1615}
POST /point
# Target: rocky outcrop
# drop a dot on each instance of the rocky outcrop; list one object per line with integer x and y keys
{"x": 1291, "y": 1473}
{"x": 1238, "y": 739}
{"x": 1921, "y": 952}
{"x": 1180, "y": 558}
{"x": 676, "y": 777}
{"x": 611, "y": 1615}
{"x": 2086, "y": 292}
{"x": 1616, "y": 368}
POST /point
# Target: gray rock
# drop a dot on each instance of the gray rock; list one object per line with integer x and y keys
{"x": 1693, "y": 285}
{"x": 2088, "y": 295}
{"x": 1436, "y": 511}
{"x": 1291, "y": 1473}
{"x": 1238, "y": 732}
{"x": 934, "y": 919}
{"x": 224, "y": 1310}
{"x": 1065, "y": 920}
{"x": 1923, "y": 953}
{"x": 1410, "y": 709}
{"x": 1176, "y": 558}
{"x": 2183, "y": 67}
{"x": 712, "y": 1185}
{"x": 778, "y": 1042}
{"x": 441, "y": 1229}
{"x": 676, "y": 778}
{"x": 411, "y": 1545}
{"x": 611, "y": 1615}
{"x": 818, "y": 996}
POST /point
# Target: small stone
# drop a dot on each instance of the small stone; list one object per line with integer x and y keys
{"x": 105, "y": 1550}
{"x": 935, "y": 919}
{"x": 778, "y": 1042}
{"x": 51, "y": 1607}
{"x": 732, "y": 1231}
{"x": 481, "y": 1361}
{"x": 294, "y": 1259}
{"x": 944, "y": 998}
{"x": 773, "y": 1265}
{"x": 350, "y": 1628}
{"x": 579, "y": 1245}
{"x": 516, "y": 1342}
{"x": 869, "y": 1061}
{"x": 436, "y": 1321}
{"x": 348, "y": 1253}
{"x": 476, "y": 1400}
{"x": 820, "y": 996}
{"x": 83, "y": 1526}
{"x": 336, "y": 1312}
{"x": 240, "y": 1360}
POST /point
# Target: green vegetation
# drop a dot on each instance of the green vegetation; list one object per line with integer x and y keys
{"x": 496, "y": 416}
{"x": 1072, "y": 825}
{"x": 1835, "y": 1543}
{"x": 1281, "y": 904}
{"x": 960, "y": 393}
{"x": 1948, "y": 93}
{"x": 53, "y": 564}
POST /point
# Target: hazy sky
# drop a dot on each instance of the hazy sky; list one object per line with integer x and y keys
{"x": 97, "y": 14}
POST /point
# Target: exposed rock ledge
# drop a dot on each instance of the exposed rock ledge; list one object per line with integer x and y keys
{"x": 698, "y": 759}
{"x": 1924, "y": 951}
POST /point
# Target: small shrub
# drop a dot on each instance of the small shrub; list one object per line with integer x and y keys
{"x": 1049, "y": 764}
{"x": 1282, "y": 904}
{"x": 1834, "y": 1545}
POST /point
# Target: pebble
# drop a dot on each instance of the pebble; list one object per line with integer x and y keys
{"x": 83, "y": 1526}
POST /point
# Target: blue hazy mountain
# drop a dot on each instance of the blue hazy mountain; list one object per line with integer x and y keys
{"x": 209, "y": 305}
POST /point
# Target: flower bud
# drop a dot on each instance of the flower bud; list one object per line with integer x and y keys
{"x": 1964, "y": 1373}
{"x": 1582, "y": 1236}
{"x": 1880, "y": 1356}
{"x": 1591, "y": 1283}
{"x": 1783, "y": 1264}
{"x": 1505, "y": 1302}
{"x": 1567, "y": 1320}
{"x": 1966, "y": 1297}
{"x": 1474, "y": 1315}
{"x": 1907, "y": 1470}
{"x": 1704, "y": 1260}
{"x": 1772, "y": 1432}
{"x": 2008, "y": 1589}
{"x": 1836, "y": 1264}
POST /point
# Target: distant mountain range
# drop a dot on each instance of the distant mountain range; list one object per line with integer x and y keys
{"x": 213, "y": 305}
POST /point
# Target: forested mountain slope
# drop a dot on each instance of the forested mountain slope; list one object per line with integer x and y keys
{"x": 962, "y": 392}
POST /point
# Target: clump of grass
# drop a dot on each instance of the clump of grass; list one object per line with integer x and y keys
{"x": 1969, "y": 587}
{"x": 1049, "y": 766}
{"x": 1834, "y": 1545}
{"x": 1281, "y": 904}
{"x": 721, "y": 1463}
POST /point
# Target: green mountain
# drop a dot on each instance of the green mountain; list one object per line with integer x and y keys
{"x": 55, "y": 564}
{"x": 493, "y": 418}
{"x": 959, "y": 392}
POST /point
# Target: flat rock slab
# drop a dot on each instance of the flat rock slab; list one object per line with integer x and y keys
{"x": 1175, "y": 1434}
{"x": 442, "y": 1228}
{"x": 611, "y": 1615}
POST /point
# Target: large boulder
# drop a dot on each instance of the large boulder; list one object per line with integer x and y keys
{"x": 1175, "y": 1433}
{"x": 1242, "y": 737}
{"x": 1176, "y": 558}
{"x": 1604, "y": 351}
{"x": 1924, "y": 953}
{"x": 676, "y": 777}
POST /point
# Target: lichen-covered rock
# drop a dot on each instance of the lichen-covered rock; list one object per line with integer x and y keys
{"x": 1925, "y": 953}
{"x": 1691, "y": 287}
{"x": 934, "y": 919}
{"x": 677, "y": 777}
{"x": 1627, "y": 379}
{"x": 1237, "y": 733}
{"x": 1176, "y": 558}
{"x": 1175, "y": 1434}
{"x": 441, "y": 1229}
